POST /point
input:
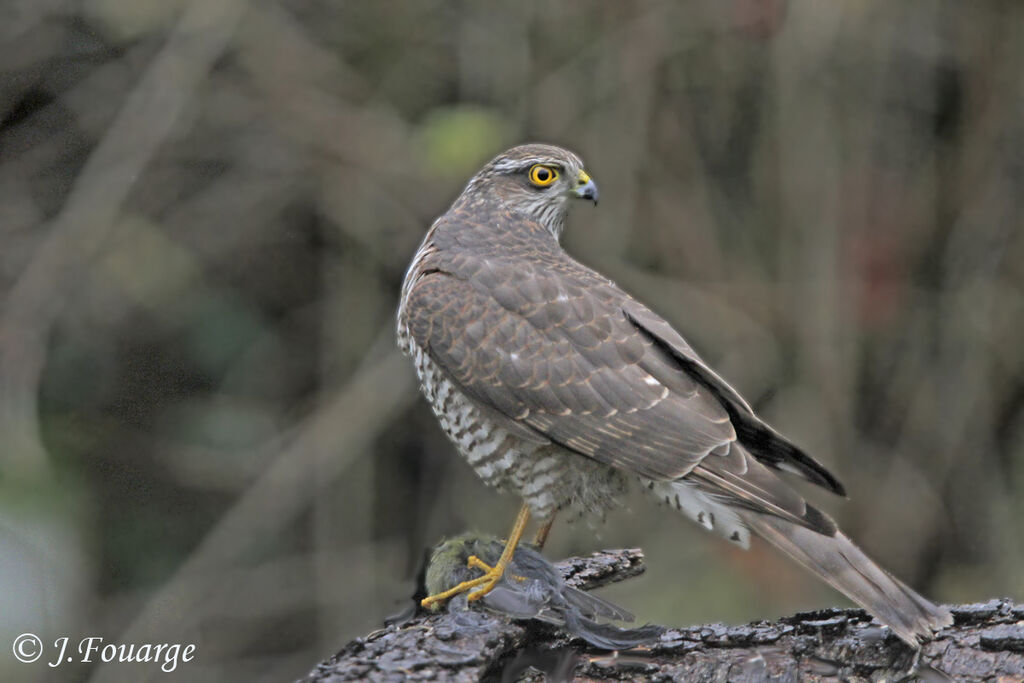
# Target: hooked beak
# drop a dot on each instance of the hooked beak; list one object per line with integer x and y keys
{"x": 586, "y": 188}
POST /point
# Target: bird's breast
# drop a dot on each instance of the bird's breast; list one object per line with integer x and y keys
{"x": 546, "y": 476}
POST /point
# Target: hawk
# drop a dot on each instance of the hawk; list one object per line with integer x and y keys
{"x": 560, "y": 387}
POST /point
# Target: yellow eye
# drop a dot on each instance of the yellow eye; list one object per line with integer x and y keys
{"x": 542, "y": 176}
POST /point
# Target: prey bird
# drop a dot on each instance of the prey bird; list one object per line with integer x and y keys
{"x": 558, "y": 386}
{"x": 531, "y": 588}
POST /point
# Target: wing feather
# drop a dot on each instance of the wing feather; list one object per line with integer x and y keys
{"x": 767, "y": 445}
{"x": 573, "y": 372}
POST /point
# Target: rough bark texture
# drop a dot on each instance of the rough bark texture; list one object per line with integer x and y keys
{"x": 986, "y": 643}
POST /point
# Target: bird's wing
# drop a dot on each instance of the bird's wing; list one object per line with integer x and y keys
{"x": 767, "y": 445}
{"x": 566, "y": 362}
{"x": 558, "y": 349}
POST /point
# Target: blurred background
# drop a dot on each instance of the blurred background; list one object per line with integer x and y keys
{"x": 207, "y": 433}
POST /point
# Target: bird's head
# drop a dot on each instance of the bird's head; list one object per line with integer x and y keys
{"x": 537, "y": 181}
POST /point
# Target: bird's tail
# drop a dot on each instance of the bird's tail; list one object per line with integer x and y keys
{"x": 842, "y": 564}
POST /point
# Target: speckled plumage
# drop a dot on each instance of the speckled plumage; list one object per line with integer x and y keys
{"x": 547, "y": 477}
{"x": 558, "y": 386}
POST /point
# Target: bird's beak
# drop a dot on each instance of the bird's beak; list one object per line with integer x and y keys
{"x": 586, "y": 188}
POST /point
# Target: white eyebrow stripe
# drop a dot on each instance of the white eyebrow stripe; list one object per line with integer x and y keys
{"x": 517, "y": 164}
{"x": 522, "y": 164}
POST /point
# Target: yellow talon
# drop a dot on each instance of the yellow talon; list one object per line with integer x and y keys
{"x": 491, "y": 578}
{"x": 431, "y": 600}
{"x": 475, "y": 562}
{"x": 491, "y": 574}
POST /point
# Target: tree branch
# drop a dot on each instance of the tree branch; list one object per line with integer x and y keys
{"x": 986, "y": 643}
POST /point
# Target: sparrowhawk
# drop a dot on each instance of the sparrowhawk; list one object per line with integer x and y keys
{"x": 558, "y": 386}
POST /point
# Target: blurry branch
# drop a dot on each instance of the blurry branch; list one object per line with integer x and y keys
{"x": 306, "y": 96}
{"x": 986, "y": 643}
{"x": 551, "y": 86}
{"x": 78, "y": 233}
{"x": 364, "y": 150}
{"x": 322, "y": 448}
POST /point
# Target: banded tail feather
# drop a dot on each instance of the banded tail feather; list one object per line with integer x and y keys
{"x": 822, "y": 548}
{"x": 845, "y": 567}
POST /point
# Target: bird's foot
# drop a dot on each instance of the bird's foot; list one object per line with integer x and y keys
{"x": 431, "y": 600}
{"x": 484, "y": 584}
{"x": 477, "y": 563}
{"x": 491, "y": 577}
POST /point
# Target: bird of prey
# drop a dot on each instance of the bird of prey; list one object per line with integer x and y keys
{"x": 558, "y": 386}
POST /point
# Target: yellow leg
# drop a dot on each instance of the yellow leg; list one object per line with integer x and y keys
{"x": 494, "y": 574}
{"x": 491, "y": 574}
{"x": 542, "y": 533}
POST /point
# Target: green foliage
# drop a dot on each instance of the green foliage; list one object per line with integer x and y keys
{"x": 455, "y": 141}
